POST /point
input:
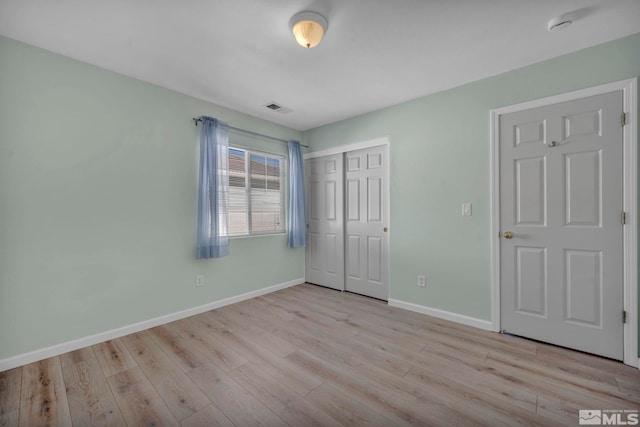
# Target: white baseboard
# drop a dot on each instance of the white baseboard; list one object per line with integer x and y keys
{"x": 55, "y": 350}
{"x": 442, "y": 314}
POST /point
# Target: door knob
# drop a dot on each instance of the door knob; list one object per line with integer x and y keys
{"x": 386, "y": 229}
{"x": 508, "y": 235}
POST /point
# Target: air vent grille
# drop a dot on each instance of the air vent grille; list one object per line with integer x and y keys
{"x": 274, "y": 106}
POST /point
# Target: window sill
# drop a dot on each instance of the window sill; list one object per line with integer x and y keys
{"x": 247, "y": 236}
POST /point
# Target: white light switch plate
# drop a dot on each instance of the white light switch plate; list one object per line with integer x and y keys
{"x": 466, "y": 209}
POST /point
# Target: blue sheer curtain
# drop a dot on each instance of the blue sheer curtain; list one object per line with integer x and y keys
{"x": 297, "y": 207}
{"x": 213, "y": 189}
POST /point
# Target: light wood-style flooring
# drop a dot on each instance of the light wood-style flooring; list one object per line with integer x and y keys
{"x": 309, "y": 356}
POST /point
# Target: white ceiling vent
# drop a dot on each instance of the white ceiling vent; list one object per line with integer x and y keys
{"x": 274, "y": 106}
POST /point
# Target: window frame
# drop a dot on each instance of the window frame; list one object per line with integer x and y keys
{"x": 282, "y": 158}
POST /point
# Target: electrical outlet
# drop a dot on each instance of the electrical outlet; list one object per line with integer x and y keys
{"x": 199, "y": 280}
{"x": 422, "y": 281}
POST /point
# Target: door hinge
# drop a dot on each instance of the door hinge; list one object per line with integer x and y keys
{"x": 623, "y": 217}
{"x": 624, "y": 316}
{"x": 623, "y": 119}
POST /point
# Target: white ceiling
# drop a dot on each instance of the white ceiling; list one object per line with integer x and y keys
{"x": 240, "y": 53}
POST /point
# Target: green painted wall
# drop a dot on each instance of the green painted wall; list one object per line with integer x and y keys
{"x": 97, "y": 203}
{"x": 440, "y": 159}
{"x": 98, "y": 192}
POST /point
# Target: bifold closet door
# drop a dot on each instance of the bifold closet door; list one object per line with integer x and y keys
{"x": 367, "y": 222}
{"x": 325, "y": 221}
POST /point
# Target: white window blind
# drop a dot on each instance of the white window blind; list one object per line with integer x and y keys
{"x": 256, "y": 197}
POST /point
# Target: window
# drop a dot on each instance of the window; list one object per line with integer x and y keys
{"x": 256, "y": 196}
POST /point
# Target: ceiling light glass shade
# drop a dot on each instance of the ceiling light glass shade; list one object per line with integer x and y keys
{"x": 308, "y": 33}
{"x": 308, "y": 28}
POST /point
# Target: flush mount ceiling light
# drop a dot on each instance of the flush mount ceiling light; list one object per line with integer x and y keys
{"x": 308, "y": 28}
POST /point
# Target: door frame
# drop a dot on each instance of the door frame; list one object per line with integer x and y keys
{"x": 342, "y": 149}
{"x": 629, "y": 89}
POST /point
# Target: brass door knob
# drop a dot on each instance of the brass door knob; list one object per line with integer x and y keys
{"x": 508, "y": 235}
{"x": 385, "y": 229}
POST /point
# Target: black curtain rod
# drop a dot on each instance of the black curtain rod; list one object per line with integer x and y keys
{"x": 196, "y": 120}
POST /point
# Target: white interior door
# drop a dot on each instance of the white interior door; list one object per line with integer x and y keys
{"x": 367, "y": 237}
{"x": 324, "y": 263}
{"x": 561, "y": 198}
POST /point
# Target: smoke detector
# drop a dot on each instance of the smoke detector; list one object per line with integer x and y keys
{"x": 559, "y": 23}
